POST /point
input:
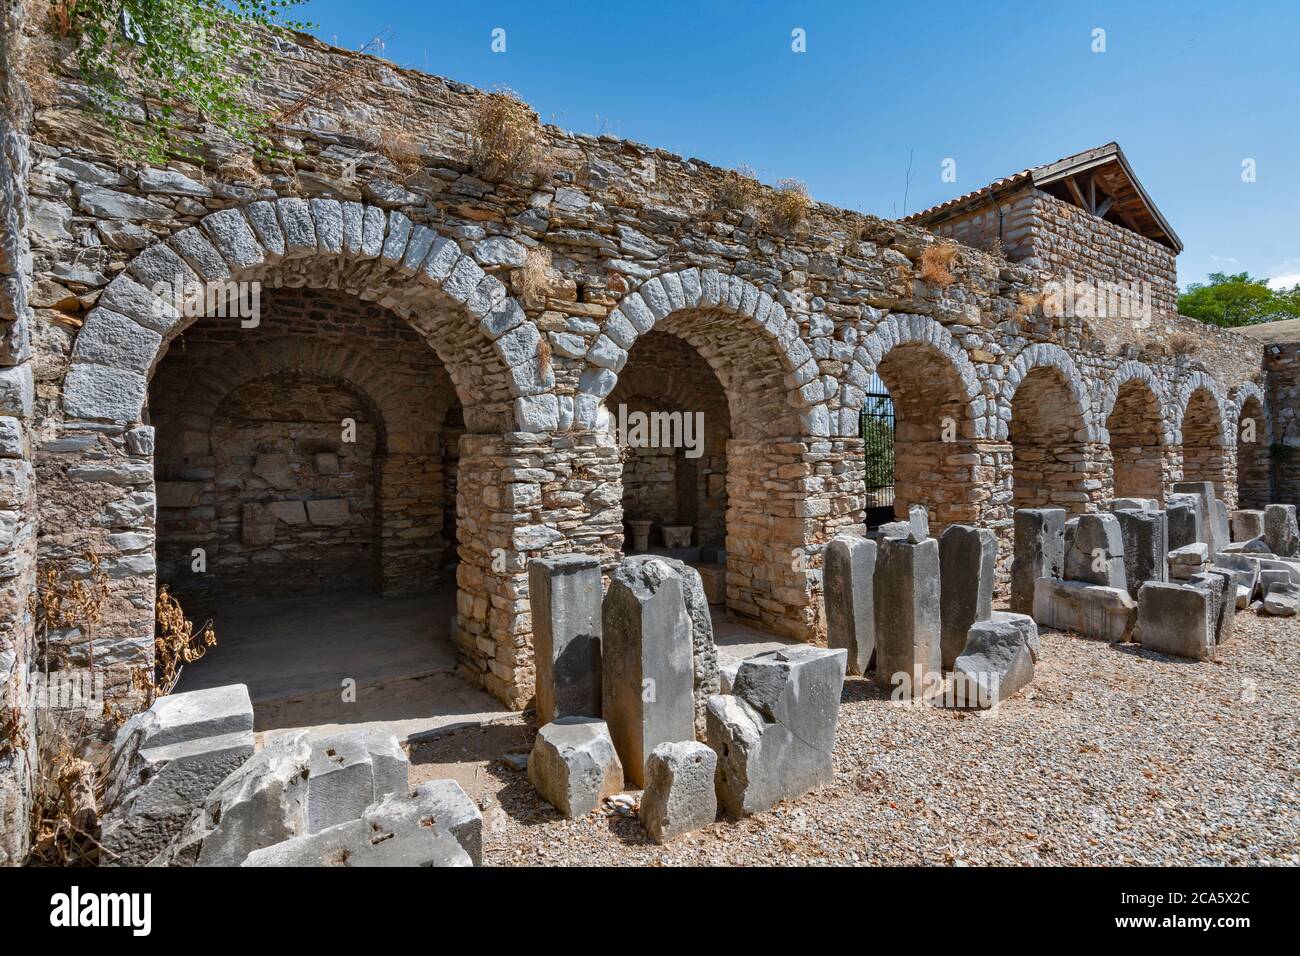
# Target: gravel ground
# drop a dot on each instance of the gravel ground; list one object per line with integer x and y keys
{"x": 1111, "y": 756}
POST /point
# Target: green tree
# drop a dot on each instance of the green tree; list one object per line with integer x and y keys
{"x": 147, "y": 63}
{"x": 1239, "y": 299}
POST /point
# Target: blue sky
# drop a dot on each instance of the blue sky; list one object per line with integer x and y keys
{"x": 1190, "y": 90}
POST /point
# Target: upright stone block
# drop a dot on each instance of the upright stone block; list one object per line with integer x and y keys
{"x": 1212, "y": 523}
{"x": 573, "y": 765}
{"x": 1186, "y": 516}
{"x": 565, "y": 594}
{"x": 1039, "y": 553}
{"x": 775, "y": 735}
{"x": 1096, "y": 555}
{"x": 704, "y": 652}
{"x": 1177, "y": 619}
{"x": 647, "y": 678}
{"x": 907, "y": 599}
{"x": 849, "y": 571}
{"x": 967, "y": 563}
{"x": 1280, "y": 531}
{"x": 679, "y": 790}
{"x": 1135, "y": 504}
{"x": 1145, "y": 535}
{"x": 1223, "y": 591}
{"x": 1247, "y": 524}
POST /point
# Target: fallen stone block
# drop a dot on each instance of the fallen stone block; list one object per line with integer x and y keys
{"x": 399, "y": 830}
{"x": 1096, "y": 556}
{"x": 1270, "y": 578}
{"x": 1135, "y": 504}
{"x": 849, "y": 570}
{"x": 1039, "y": 553}
{"x": 915, "y": 529}
{"x": 564, "y": 594}
{"x": 574, "y": 765}
{"x": 349, "y": 772}
{"x": 1282, "y": 600}
{"x": 1243, "y": 597}
{"x": 679, "y": 792}
{"x": 1280, "y": 531}
{"x": 907, "y": 602}
{"x": 1091, "y": 610}
{"x": 166, "y": 761}
{"x": 1245, "y": 570}
{"x": 967, "y": 563}
{"x": 1145, "y": 536}
{"x": 1177, "y": 619}
{"x": 262, "y": 803}
{"x": 997, "y": 661}
{"x": 1247, "y": 523}
{"x": 1196, "y": 554}
{"x": 647, "y": 695}
{"x": 455, "y": 812}
{"x": 774, "y": 736}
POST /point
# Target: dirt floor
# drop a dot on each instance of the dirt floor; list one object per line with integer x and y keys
{"x": 1112, "y": 756}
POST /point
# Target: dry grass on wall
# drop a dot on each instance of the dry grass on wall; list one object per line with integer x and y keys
{"x": 506, "y": 137}
{"x": 738, "y": 189}
{"x": 788, "y": 204}
{"x": 532, "y": 280}
{"x": 935, "y": 262}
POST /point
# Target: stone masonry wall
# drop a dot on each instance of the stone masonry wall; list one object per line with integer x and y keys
{"x": 792, "y": 321}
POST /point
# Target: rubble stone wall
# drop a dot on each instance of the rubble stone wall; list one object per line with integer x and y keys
{"x": 792, "y": 321}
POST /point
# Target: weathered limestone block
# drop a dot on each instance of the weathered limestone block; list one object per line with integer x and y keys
{"x": 1186, "y": 518}
{"x": 849, "y": 569}
{"x": 1146, "y": 547}
{"x": 997, "y": 661}
{"x": 1282, "y": 600}
{"x": 775, "y": 734}
{"x": 967, "y": 563}
{"x": 679, "y": 792}
{"x": 262, "y": 803}
{"x": 454, "y": 811}
{"x": 564, "y": 593}
{"x": 1244, "y": 569}
{"x": 648, "y": 674}
{"x": 349, "y": 772}
{"x": 1214, "y": 513}
{"x": 1223, "y": 594}
{"x": 1039, "y": 553}
{"x": 1091, "y": 610}
{"x": 1177, "y": 619}
{"x": 1097, "y": 554}
{"x": 397, "y": 831}
{"x": 704, "y": 652}
{"x": 1280, "y": 531}
{"x": 1247, "y": 524}
{"x": 907, "y": 600}
{"x": 166, "y": 761}
{"x": 1135, "y": 504}
{"x": 574, "y": 765}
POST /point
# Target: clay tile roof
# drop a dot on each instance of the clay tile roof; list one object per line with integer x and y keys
{"x": 1099, "y": 181}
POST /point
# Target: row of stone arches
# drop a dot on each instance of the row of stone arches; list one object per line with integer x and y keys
{"x": 462, "y": 455}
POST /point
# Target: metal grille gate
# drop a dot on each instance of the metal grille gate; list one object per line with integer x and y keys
{"x": 878, "y": 439}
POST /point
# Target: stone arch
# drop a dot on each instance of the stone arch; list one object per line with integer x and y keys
{"x": 938, "y": 414}
{"x": 932, "y": 338}
{"x": 1253, "y": 427}
{"x": 1132, "y": 423}
{"x": 681, "y": 303}
{"x": 1048, "y": 422}
{"x": 1204, "y": 431}
{"x": 481, "y": 334}
{"x": 1045, "y": 355}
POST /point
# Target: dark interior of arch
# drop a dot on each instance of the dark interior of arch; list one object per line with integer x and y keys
{"x": 1136, "y": 450}
{"x": 306, "y": 455}
{"x": 932, "y": 429}
{"x": 1047, "y": 444}
{"x": 664, "y": 381}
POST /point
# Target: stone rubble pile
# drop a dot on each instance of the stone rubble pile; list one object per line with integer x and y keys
{"x": 188, "y": 788}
